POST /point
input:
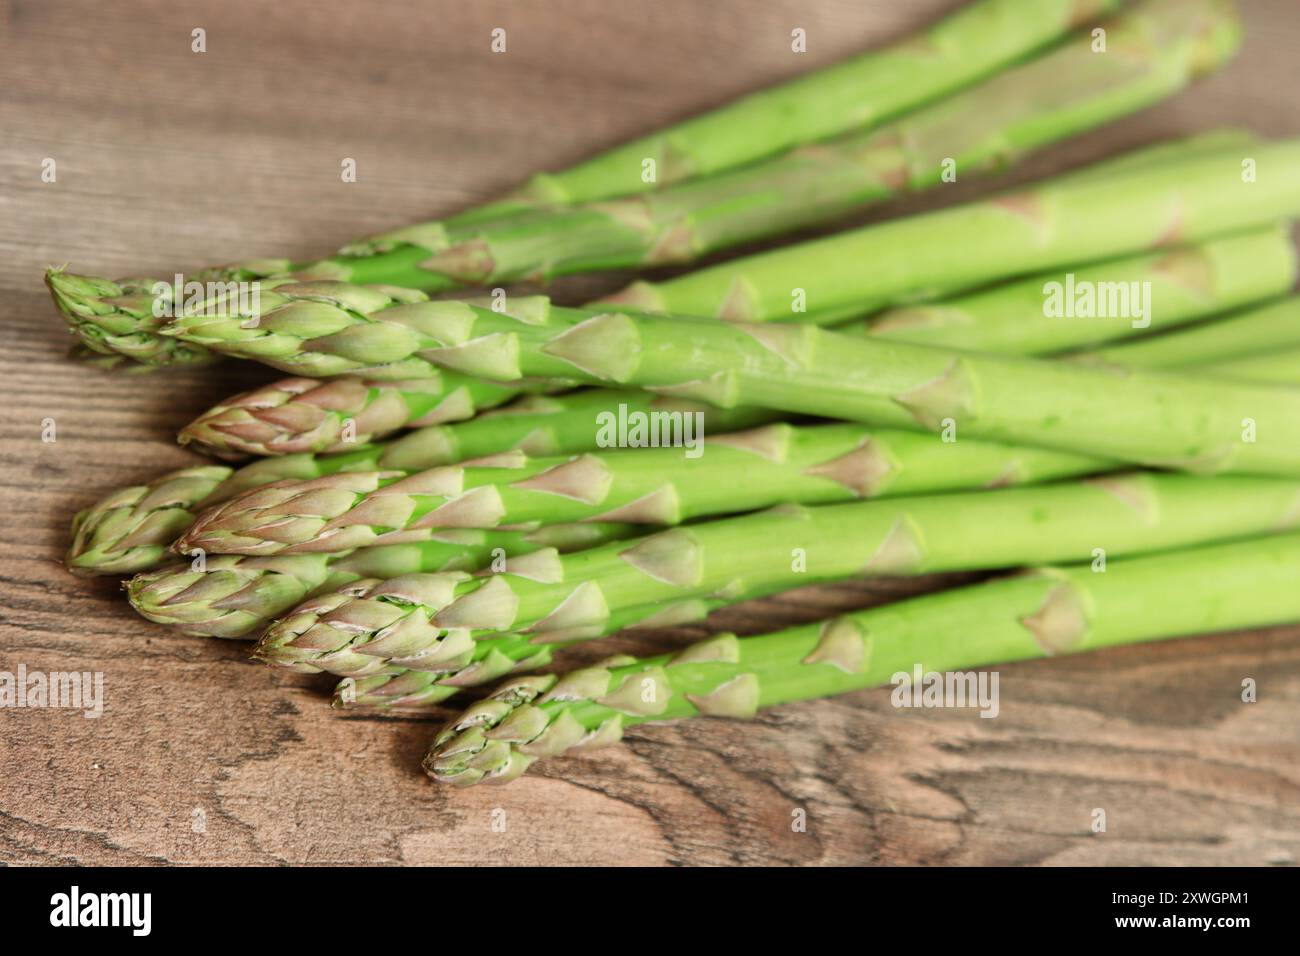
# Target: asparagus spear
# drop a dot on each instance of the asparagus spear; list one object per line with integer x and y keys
{"x": 1158, "y": 46}
{"x": 271, "y": 422}
{"x": 1152, "y": 418}
{"x": 472, "y": 628}
{"x": 131, "y": 529}
{"x": 300, "y": 415}
{"x": 1046, "y": 225}
{"x": 102, "y": 312}
{"x": 1016, "y": 235}
{"x": 1281, "y": 368}
{"x": 739, "y": 471}
{"x": 232, "y": 596}
{"x": 121, "y": 318}
{"x": 826, "y": 463}
{"x": 971, "y": 44}
{"x": 1046, "y": 612}
{"x": 1271, "y": 327}
{"x": 1185, "y": 284}
{"x": 416, "y": 690}
{"x": 889, "y": 463}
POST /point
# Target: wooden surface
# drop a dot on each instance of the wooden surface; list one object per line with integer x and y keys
{"x": 169, "y": 160}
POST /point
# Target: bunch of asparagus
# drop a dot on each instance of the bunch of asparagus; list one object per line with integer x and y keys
{"x": 435, "y": 503}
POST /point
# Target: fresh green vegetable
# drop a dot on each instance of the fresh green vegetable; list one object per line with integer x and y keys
{"x": 975, "y": 41}
{"x": 738, "y": 471}
{"x": 121, "y": 318}
{"x": 1127, "y": 205}
{"x": 1150, "y": 418}
{"x": 1065, "y": 221}
{"x": 1046, "y": 612}
{"x": 477, "y": 629}
{"x": 232, "y": 596}
{"x": 1274, "y": 327}
{"x": 1191, "y": 282}
{"x": 1137, "y": 297}
{"x": 303, "y": 415}
{"x": 872, "y": 88}
{"x": 131, "y": 529}
{"x": 1157, "y": 48}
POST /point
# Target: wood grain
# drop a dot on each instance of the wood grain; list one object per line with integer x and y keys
{"x": 169, "y": 160}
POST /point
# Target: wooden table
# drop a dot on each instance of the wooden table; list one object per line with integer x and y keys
{"x": 168, "y": 160}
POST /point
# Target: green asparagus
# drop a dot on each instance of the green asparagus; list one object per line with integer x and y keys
{"x": 121, "y": 318}
{"x": 131, "y": 529}
{"x": 302, "y": 415}
{"x": 974, "y": 42}
{"x": 270, "y": 422}
{"x": 738, "y": 471}
{"x": 1158, "y": 46}
{"x": 1131, "y": 297}
{"x": 885, "y": 464}
{"x": 479, "y": 628}
{"x": 1268, "y": 328}
{"x": 1046, "y": 612}
{"x": 1153, "y": 418}
{"x": 232, "y": 596}
{"x": 1196, "y": 194}
{"x": 1280, "y": 368}
{"x": 874, "y": 87}
{"x": 1188, "y": 283}
{"x": 1045, "y": 225}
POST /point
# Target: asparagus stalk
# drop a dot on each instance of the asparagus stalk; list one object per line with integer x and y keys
{"x": 1043, "y": 226}
{"x": 121, "y": 318}
{"x": 303, "y": 415}
{"x": 1269, "y": 328}
{"x": 1046, "y": 612}
{"x": 837, "y": 462}
{"x": 1158, "y": 48}
{"x": 740, "y": 471}
{"x": 1184, "y": 284}
{"x": 1152, "y": 418}
{"x": 1281, "y": 368}
{"x": 103, "y": 312}
{"x": 1187, "y": 283}
{"x": 476, "y": 629}
{"x": 1204, "y": 187}
{"x": 417, "y": 690}
{"x": 271, "y": 422}
{"x": 114, "y": 362}
{"x": 232, "y": 596}
{"x": 885, "y": 463}
{"x": 971, "y": 44}
{"x": 131, "y": 529}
